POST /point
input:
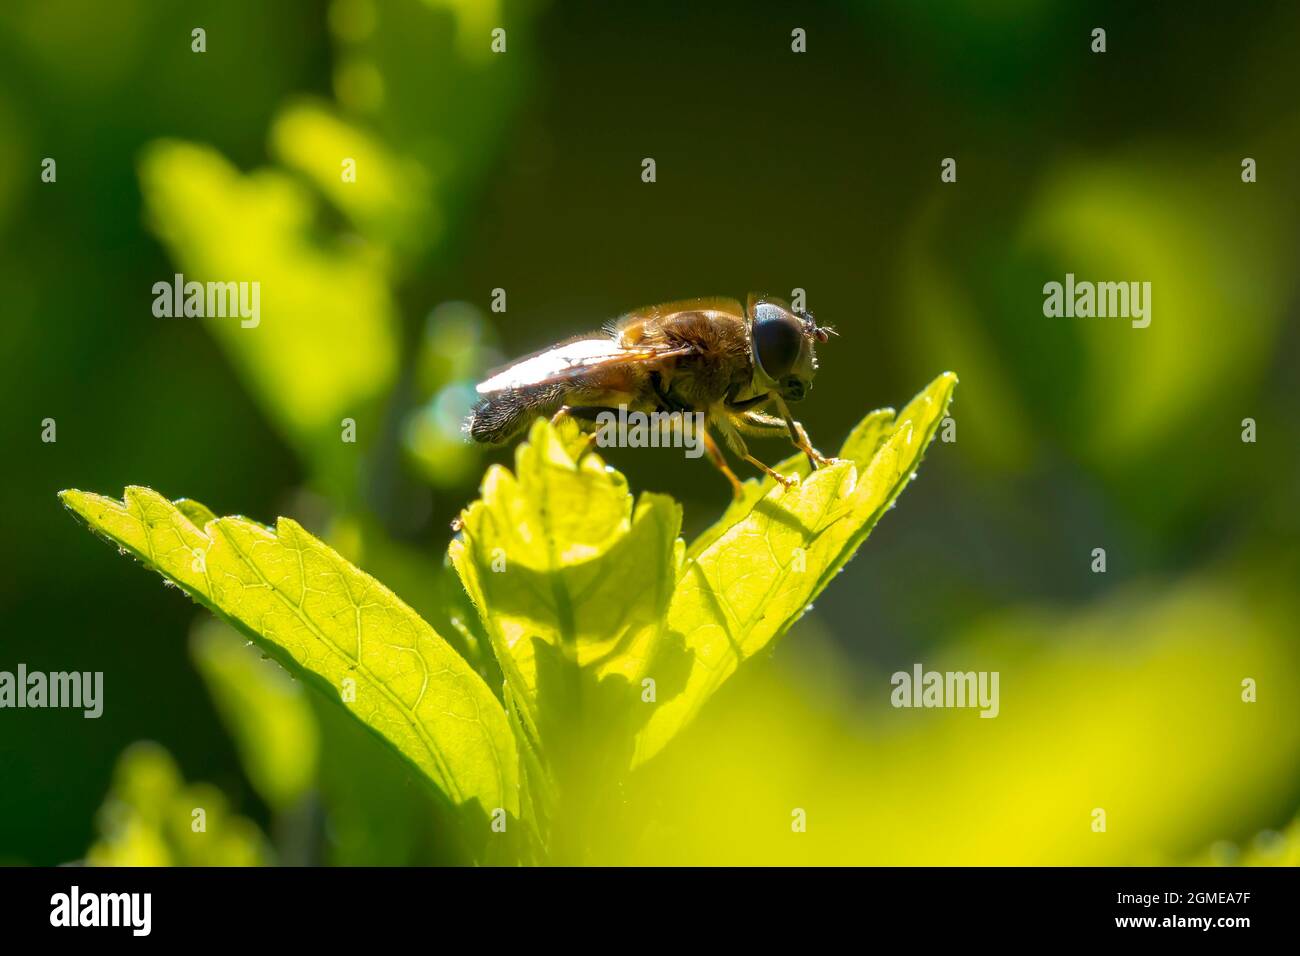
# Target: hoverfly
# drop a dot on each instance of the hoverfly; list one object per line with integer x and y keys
{"x": 708, "y": 355}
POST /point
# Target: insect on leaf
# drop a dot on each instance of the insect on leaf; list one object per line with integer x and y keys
{"x": 756, "y": 572}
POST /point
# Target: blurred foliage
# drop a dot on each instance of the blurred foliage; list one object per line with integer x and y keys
{"x": 337, "y": 797}
{"x": 397, "y": 172}
{"x": 1266, "y": 848}
{"x": 1117, "y": 400}
{"x": 1087, "y": 721}
{"x": 152, "y": 817}
{"x": 266, "y": 712}
{"x": 456, "y": 346}
{"x": 328, "y": 348}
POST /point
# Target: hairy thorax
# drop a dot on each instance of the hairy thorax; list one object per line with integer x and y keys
{"x": 718, "y": 364}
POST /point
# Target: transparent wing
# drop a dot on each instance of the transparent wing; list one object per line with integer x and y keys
{"x": 570, "y": 360}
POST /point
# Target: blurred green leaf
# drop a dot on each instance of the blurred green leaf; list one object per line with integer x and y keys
{"x": 266, "y": 712}
{"x": 1132, "y": 704}
{"x": 1207, "y": 254}
{"x": 424, "y": 74}
{"x": 1266, "y": 848}
{"x": 1141, "y": 409}
{"x": 316, "y": 614}
{"x": 151, "y": 818}
{"x": 325, "y": 347}
{"x": 198, "y": 513}
{"x": 386, "y": 196}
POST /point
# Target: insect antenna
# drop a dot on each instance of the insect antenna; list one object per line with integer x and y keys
{"x": 821, "y": 332}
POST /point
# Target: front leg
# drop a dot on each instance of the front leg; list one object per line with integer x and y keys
{"x": 800, "y": 437}
{"x": 759, "y": 424}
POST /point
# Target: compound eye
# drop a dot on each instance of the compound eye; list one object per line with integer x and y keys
{"x": 778, "y": 338}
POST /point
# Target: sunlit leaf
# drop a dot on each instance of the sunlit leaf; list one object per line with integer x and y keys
{"x": 321, "y": 617}
{"x": 573, "y": 582}
{"x": 561, "y": 566}
{"x": 861, "y": 445}
{"x": 758, "y": 576}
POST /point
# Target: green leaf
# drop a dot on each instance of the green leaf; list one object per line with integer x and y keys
{"x": 867, "y": 436}
{"x": 573, "y": 583}
{"x": 198, "y": 513}
{"x": 318, "y": 615}
{"x": 566, "y": 542}
{"x": 757, "y": 575}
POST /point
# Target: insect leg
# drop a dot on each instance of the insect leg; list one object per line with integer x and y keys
{"x": 584, "y": 414}
{"x": 757, "y": 423}
{"x": 738, "y": 445}
{"x": 720, "y": 462}
{"x": 800, "y": 437}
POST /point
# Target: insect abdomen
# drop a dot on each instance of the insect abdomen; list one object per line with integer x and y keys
{"x": 501, "y": 416}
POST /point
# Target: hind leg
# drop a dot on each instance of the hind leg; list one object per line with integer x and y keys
{"x": 737, "y": 444}
{"x": 799, "y": 437}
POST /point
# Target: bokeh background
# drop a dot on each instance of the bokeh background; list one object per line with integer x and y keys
{"x": 522, "y": 171}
